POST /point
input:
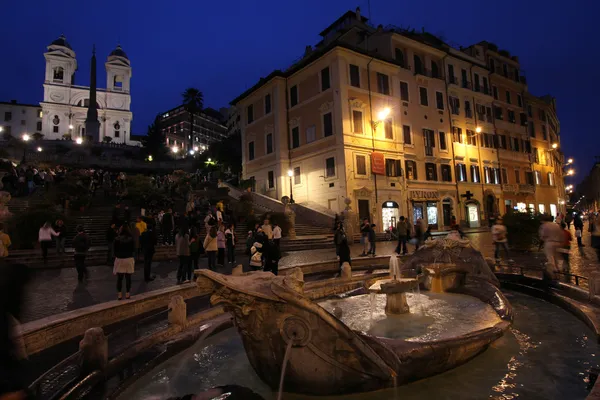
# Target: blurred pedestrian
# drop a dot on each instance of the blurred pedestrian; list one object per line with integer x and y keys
{"x": 81, "y": 245}
{"x": 210, "y": 247}
{"x": 230, "y": 243}
{"x": 5, "y": 242}
{"x": 195, "y": 246}
{"x": 124, "y": 261}
{"x": 221, "y": 244}
{"x": 182, "y": 249}
{"x": 499, "y": 237}
{"x": 403, "y": 232}
{"x": 148, "y": 244}
{"x": 364, "y": 236}
{"x": 45, "y": 238}
{"x": 553, "y": 238}
{"x": 565, "y": 248}
{"x": 276, "y": 234}
{"x": 61, "y": 230}
{"x": 578, "y": 224}
{"x": 372, "y": 240}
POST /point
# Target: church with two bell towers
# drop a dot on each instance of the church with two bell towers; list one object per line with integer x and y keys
{"x": 69, "y": 110}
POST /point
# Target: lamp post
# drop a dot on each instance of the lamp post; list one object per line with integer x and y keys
{"x": 290, "y": 174}
{"x": 79, "y": 140}
{"x": 25, "y": 138}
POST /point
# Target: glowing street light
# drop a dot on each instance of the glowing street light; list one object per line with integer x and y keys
{"x": 1, "y": 128}
{"x": 554, "y": 145}
{"x": 209, "y": 159}
{"x": 150, "y": 158}
{"x": 39, "y": 149}
{"x": 26, "y": 137}
{"x": 290, "y": 174}
{"x": 79, "y": 140}
{"x": 571, "y": 172}
{"x": 478, "y": 129}
{"x": 192, "y": 152}
{"x": 195, "y": 148}
{"x": 570, "y": 161}
{"x": 383, "y": 114}
{"x": 71, "y": 126}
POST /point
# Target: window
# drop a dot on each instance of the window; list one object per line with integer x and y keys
{"x": 418, "y": 64}
{"x": 40, "y": 113}
{"x": 505, "y": 70}
{"x": 468, "y": 111}
{"x": 399, "y": 56}
{"x": 117, "y": 134}
{"x": 443, "y": 145}
{"x": 496, "y": 176}
{"x": 508, "y": 97}
{"x": 480, "y": 112}
{"x": 504, "y": 176}
{"x": 411, "y": 169}
{"x": 550, "y": 179}
{"x": 311, "y": 135}
{"x": 423, "y": 96}
{"x": 471, "y": 138}
{"x": 435, "y": 71}
{"x": 446, "y": 173}
{"x": 325, "y": 79}
{"x": 476, "y": 84}
{"x": 58, "y": 74}
{"x": 387, "y": 127}
{"x": 542, "y": 115}
{"x": 519, "y": 100}
{"x": 393, "y": 167}
{"x": 269, "y": 143}
{"x": 544, "y": 132}
{"x": 354, "y": 76}
{"x": 451, "y": 74}
{"x": 486, "y": 89}
{"x": 523, "y": 119}
{"x": 538, "y": 178}
{"x": 330, "y": 167}
{"x": 457, "y": 134}
{"x": 503, "y": 143}
{"x": 527, "y": 146}
{"x": 39, "y": 126}
{"x": 487, "y": 175}
{"x": 297, "y": 176}
{"x": 475, "y": 173}
{"x": 498, "y": 113}
{"x": 404, "y": 91}
{"x": 406, "y": 134}
{"x": 465, "y": 80}
{"x": 495, "y": 91}
{"x": 454, "y": 105}
{"x": 7, "y": 116}
{"x": 516, "y": 145}
{"x": 267, "y": 104}
{"x": 529, "y": 112}
{"x": 55, "y": 129}
{"x": 461, "y": 172}
{"x": 511, "y": 116}
{"x": 529, "y": 177}
{"x": 430, "y": 172}
{"x": 383, "y": 83}
{"x": 251, "y": 151}
{"x": 429, "y": 140}
{"x": 488, "y": 114}
{"x": 357, "y": 119}
{"x": 361, "y": 165}
{"x": 295, "y": 137}
{"x": 23, "y": 122}
{"x": 439, "y": 100}
{"x": 517, "y": 176}
{"x": 293, "y": 96}
{"x": 250, "y": 113}
{"x": 271, "y": 179}
{"x": 327, "y": 124}
{"x": 531, "y": 129}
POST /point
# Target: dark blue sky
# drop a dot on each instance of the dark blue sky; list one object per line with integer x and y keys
{"x": 224, "y": 47}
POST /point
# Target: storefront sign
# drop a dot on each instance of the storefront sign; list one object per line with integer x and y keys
{"x": 378, "y": 163}
{"x": 424, "y": 195}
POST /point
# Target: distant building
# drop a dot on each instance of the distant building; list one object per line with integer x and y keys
{"x": 17, "y": 119}
{"x": 233, "y": 121}
{"x": 209, "y": 127}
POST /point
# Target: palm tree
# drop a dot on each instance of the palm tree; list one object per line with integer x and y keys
{"x": 193, "y": 101}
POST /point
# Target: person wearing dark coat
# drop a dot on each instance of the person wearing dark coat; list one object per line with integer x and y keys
{"x": 372, "y": 240}
{"x": 168, "y": 224}
{"x": 148, "y": 244}
{"x": 344, "y": 251}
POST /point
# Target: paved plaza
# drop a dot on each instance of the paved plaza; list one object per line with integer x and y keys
{"x": 55, "y": 291}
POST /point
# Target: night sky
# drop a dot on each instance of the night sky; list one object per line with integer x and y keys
{"x": 224, "y": 47}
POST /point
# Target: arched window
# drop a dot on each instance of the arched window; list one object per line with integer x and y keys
{"x": 118, "y": 82}
{"x": 418, "y": 65}
{"x": 59, "y": 74}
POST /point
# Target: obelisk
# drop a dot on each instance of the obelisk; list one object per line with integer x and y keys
{"x": 92, "y": 125}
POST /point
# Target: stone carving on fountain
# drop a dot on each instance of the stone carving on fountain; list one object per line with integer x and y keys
{"x": 325, "y": 356}
{"x": 4, "y": 200}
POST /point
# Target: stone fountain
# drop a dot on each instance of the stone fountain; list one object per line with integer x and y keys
{"x": 4, "y": 200}
{"x": 278, "y": 323}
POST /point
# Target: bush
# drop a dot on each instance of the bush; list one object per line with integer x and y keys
{"x": 24, "y": 227}
{"x": 522, "y": 229}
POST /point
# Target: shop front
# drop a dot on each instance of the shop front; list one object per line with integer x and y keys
{"x": 390, "y": 214}
{"x": 472, "y": 214}
{"x": 425, "y": 206}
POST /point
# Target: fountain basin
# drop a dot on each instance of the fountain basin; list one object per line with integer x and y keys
{"x": 395, "y": 293}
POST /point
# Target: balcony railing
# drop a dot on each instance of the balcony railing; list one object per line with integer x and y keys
{"x": 526, "y": 188}
{"x": 510, "y": 188}
{"x": 429, "y": 73}
{"x": 453, "y": 80}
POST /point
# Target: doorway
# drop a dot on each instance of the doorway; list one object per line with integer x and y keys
{"x": 473, "y": 215}
{"x": 447, "y": 212}
{"x": 490, "y": 203}
{"x": 390, "y": 213}
{"x": 363, "y": 210}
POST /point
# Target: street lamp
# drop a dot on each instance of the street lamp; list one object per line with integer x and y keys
{"x": 290, "y": 174}
{"x": 39, "y": 149}
{"x": 195, "y": 148}
{"x": 79, "y": 140}
{"x": 571, "y": 172}
{"x": 554, "y": 145}
{"x": 192, "y": 152}
{"x": 478, "y": 129}
{"x": 174, "y": 149}
{"x": 71, "y": 126}
{"x": 383, "y": 114}
{"x": 570, "y": 161}
{"x": 26, "y": 137}
{"x": 1, "y": 129}
{"x": 150, "y": 158}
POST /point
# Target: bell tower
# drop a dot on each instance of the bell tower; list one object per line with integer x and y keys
{"x": 118, "y": 71}
{"x": 60, "y": 63}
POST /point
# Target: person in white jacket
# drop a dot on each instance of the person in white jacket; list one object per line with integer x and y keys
{"x": 45, "y": 238}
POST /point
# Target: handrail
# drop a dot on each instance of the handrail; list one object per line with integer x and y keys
{"x": 35, "y": 387}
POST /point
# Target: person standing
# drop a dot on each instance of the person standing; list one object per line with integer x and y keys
{"x": 210, "y": 246}
{"x": 5, "y": 242}
{"x": 372, "y": 240}
{"x": 364, "y": 236}
{"x": 267, "y": 229}
{"x": 499, "y": 236}
{"x": 182, "y": 249}
{"x": 148, "y": 244}
{"x": 578, "y": 224}
{"x": 221, "y": 244}
{"x": 61, "y": 230}
{"x": 230, "y": 242}
{"x": 124, "y": 261}
{"x": 565, "y": 249}
{"x": 272, "y": 260}
{"x": 167, "y": 227}
{"x": 344, "y": 250}
{"x": 403, "y": 232}
{"x": 337, "y": 237}
{"x": 45, "y": 238}
{"x": 419, "y": 232}
{"x": 81, "y": 245}
{"x": 276, "y": 235}
{"x": 194, "y": 248}
{"x": 552, "y": 236}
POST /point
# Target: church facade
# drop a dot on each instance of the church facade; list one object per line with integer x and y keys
{"x": 65, "y": 105}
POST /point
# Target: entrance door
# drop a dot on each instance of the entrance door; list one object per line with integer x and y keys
{"x": 489, "y": 205}
{"x": 473, "y": 215}
{"x": 363, "y": 210}
{"x": 389, "y": 214}
{"x": 447, "y": 212}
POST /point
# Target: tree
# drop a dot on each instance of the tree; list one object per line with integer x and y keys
{"x": 193, "y": 101}
{"x": 155, "y": 141}
{"x": 107, "y": 139}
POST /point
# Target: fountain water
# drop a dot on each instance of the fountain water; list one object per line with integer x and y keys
{"x": 285, "y": 363}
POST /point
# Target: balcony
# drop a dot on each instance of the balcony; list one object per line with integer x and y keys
{"x": 428, "y": 151}
{"x": 510, "y": 188}
{"x": 466, "y": 85}
{"x": 429, "y": 73}
{"x": 526, "y": 188}
{"x": 453, "y": 80}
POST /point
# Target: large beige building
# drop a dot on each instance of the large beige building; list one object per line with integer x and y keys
{"x": 402, "y": 124}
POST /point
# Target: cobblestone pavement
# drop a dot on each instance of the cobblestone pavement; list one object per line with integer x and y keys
{"x": 55, "y": 291}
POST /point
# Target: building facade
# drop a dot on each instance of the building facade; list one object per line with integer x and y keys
{"x": 208, "y": 127}
{"x": 17, "y": 119}
{"x": 65, "y": 104}
{"x": 399, "y": 122}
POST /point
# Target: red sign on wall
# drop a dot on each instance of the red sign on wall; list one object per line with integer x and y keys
{"x": 378, "y": 163}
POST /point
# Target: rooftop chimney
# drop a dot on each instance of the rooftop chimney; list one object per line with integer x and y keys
{"x": 358, "y": 13}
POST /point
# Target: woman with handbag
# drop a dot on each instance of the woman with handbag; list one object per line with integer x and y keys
{"x": 210, "y": 246}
